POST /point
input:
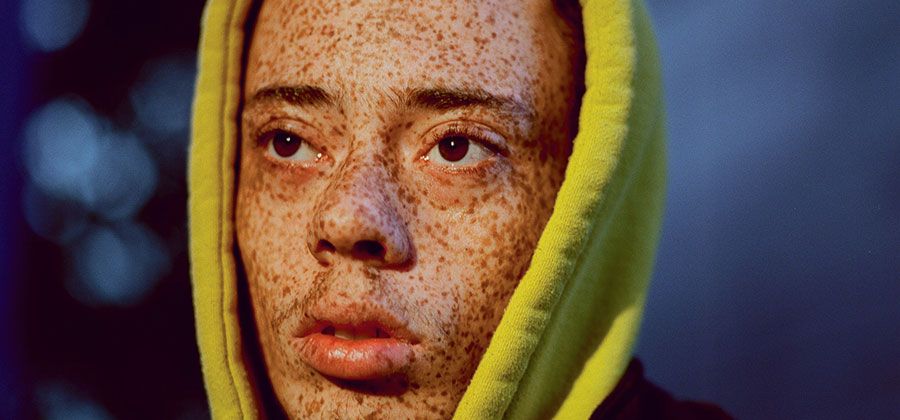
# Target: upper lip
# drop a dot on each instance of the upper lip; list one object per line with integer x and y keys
{"x": 361, "y": 316}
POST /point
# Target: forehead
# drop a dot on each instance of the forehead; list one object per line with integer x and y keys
{"x": 503, "y": 47}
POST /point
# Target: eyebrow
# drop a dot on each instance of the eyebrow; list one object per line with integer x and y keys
{"x": 304, "y": 95}
{"x": 443, "y": 99}
{"x": 440, "y": 99}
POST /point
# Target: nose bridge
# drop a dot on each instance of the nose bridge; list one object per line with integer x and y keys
{"x": 357, "y": 217}
{"x": 356, "y": 194}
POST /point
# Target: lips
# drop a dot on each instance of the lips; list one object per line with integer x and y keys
{"x": 356, "y": 344}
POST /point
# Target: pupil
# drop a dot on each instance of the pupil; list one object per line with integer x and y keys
{"x": 285, "y": 144}
{"x": 453, "y": 148}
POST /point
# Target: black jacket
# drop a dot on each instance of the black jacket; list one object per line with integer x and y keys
{"x": 636, "y": 398}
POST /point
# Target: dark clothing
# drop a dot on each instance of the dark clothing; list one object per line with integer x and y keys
{"x": 636, "y": 398}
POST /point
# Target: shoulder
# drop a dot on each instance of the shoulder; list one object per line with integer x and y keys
{"x": 637, "y": 398}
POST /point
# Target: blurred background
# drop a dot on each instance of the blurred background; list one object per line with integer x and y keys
{"x": 777, "y": 288}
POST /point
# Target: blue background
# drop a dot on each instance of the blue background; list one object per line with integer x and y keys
{"x": 777, "y": 287}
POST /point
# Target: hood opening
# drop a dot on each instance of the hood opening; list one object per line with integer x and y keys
{"x": 591, "y": 266}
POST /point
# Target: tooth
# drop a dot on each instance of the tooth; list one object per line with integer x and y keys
{"x": 344, "y": 334}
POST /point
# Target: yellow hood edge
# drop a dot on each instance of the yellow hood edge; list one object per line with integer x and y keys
{"x": 589, "y": 273}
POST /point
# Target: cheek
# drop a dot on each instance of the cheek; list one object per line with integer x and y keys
{"x": 507, "y": 233}
{"x": 272, "y": 211}
{"x": 481, "y": 252}
{"x": 270, "y": 230}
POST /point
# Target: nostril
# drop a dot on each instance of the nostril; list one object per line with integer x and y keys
{"x": 368, "y": 250}
{"x": 324, "y": 246}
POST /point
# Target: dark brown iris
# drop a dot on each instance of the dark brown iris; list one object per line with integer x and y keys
{"x": 286, "y": 144}
{"x": 453, "y": 148}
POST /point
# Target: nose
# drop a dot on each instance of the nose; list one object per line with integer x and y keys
{"x": 356, "y": 218}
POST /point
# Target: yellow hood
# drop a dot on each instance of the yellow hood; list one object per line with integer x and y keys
{"x": 568, "y": 331}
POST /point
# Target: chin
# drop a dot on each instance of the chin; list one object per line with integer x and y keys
{"x": 393, "y": 397}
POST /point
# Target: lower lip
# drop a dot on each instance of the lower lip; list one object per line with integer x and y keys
{"x": 365, "y": 359}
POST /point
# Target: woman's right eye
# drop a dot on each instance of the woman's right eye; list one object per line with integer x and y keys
{"x": 283, "y": 145}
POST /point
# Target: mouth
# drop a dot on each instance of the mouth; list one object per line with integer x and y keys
{"x": 353, "y": 332}
{"x": 356, "y": 347}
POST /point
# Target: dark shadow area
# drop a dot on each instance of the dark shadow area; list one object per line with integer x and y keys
{"x": 394, "y": 385}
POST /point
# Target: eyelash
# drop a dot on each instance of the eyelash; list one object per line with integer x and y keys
{"x": 263, "y": 136}
{"x": 475, "y": 134}
{"x": 463, "y": 130}
{"x": 264, "y": 130}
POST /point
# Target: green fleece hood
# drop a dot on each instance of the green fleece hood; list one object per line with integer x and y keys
{"x": 568, "y": 331}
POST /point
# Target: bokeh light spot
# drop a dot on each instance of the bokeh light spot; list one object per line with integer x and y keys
{"x": 55, "y": 219}
{"x": 123, "y": 179}
{"x": 162, "y": 96}
{"x": 61, "y": 147}
{"x": 117, "y": 265}
{"x": 51, "y": 25}
{"x": 73, "y": 155}
{"x": 59, "y": 401}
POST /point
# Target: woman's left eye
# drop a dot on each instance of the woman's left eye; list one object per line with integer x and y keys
{"x": 288, "y": 146}
{"x": 457, "y": 150}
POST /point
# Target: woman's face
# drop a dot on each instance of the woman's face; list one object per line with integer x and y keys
{"x": 399, "y": 161}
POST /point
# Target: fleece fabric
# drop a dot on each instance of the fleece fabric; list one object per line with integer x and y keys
{"x": 567, "y": 334}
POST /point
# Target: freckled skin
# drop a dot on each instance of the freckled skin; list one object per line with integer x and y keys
{"x": 456, "y": 242}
